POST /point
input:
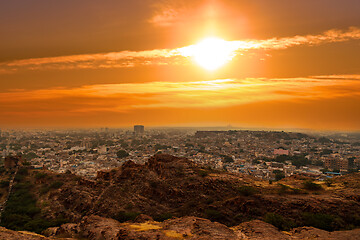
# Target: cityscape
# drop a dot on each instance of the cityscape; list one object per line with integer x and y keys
{"x": 258, "y": 153}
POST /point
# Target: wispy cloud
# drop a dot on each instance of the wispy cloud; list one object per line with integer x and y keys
{"x": 155, "y": 95}
{"x": 127, "y": 59}
{"x": 170, "y": 12}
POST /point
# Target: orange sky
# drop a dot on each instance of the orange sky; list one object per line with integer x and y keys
{"x": 91, "y": 64}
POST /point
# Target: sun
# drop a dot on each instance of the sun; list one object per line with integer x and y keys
{"x": 211, "y": 53}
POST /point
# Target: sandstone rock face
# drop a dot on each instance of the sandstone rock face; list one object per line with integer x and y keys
{"x": 99, "y": 228}
{"x": 66, "y": 230}
{"x": 198, "y": 228}
{"x": 314, "y": 233}
{"x": 257, "y": 229}
{"x": 6, "y": 234}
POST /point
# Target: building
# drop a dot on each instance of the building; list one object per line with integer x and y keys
{"x": 336, "y": 163}
{"x": 281, "y": 151}
{"x": 139, "y": 129}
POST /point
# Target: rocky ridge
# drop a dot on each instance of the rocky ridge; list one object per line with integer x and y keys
{"x": 192, "y": 228}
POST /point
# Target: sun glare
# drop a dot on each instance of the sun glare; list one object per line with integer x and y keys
{"x": 211, "y": 53}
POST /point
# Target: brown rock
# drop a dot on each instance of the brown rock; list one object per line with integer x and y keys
{"x": 199, "y": 228}
{"x": 143, "y": 218}
{"x": 257, "y": 229}
{"x": 99, "y": 228}
{"x": 6, "y": 234}
{"x": 314, "y": 233}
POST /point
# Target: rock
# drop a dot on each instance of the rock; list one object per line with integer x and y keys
{"x": 68, "y": 230}
{"x": 7, "y": 234}
{"x": 257, "y": 229}
{"x": 53, "y": 231}
{"x": 199, "y": 228}
{"x": 143, "y": 218}
{"x": 314, "y": 233}
{"x": 192, "y": 228}
{"x": 98, "y": 228}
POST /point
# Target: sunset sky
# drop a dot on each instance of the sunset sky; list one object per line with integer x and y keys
{"x": 110, "y": 63}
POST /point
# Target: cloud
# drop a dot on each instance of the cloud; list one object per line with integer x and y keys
{"x": 169, "y": 13}
{"x": 315, "y": 102}
{"x": 178, "y": 56}
{"x": 202, "y": 94}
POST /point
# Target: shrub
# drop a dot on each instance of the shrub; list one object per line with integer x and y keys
{"x": 22, "y": 171}
{"x": 163, "y": 217}
{"x": 329, "y": 182}
{"x": 21, "y": 212}
{"x": 203, "y": 173}
{"x": 311, "y": 186}
{"x": 44, "y": 189}
{"x": 56, "y": 185}
{"x": 209, "y": 200}
{"x": 297, "y": 191}
{"x": 40, "y": 175}
{"x": 279, "y": 176}
{"x": 19, "y": 178}
{"x": 239, "y": 217}
{"x": 278, "y": 221}
{"x": 4, "y": 184}
{"x": 26, "y": 163}
{"x": 122, "y": 154}
{"x": 154, "y": 184}
{"x": 123, "y": 216}
{"x": 214, "y": 215}
{"x": 246, "y": 190}
{"x": 323, "y": 221}
{"x": 254, "y": 211}
{"x": 129, "y": 206}
{"x": 283, "y": 189}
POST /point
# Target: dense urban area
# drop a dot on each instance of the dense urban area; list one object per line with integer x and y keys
{"x": 269, "y": 155}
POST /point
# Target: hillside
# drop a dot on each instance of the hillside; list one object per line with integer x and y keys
{"x": 168, "y": 186}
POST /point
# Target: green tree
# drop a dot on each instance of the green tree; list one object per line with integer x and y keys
{"x": 279, "y": 176}
{"x": 310, "y": 185}
{"x": 278, "y": 221}
{"x": 122, "y": 154}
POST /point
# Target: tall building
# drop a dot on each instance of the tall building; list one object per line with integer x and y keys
{"x": 139, "y": 129}
{"x": 336, "y": 163}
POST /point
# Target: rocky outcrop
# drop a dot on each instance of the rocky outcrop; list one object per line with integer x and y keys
{"x": 69, "y": 230}
{"x": 99, "y": 228}
{"x": 192, "y": 228}
{"x": 6, "y": 234}
{"x": 95, "y": 227}
{"x": 308, "y": 233}
{"x": 257, "y": 229}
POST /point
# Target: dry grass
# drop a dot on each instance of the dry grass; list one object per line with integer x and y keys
{"x": 144, "y": 226}
{"x": 173, "y": 234}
